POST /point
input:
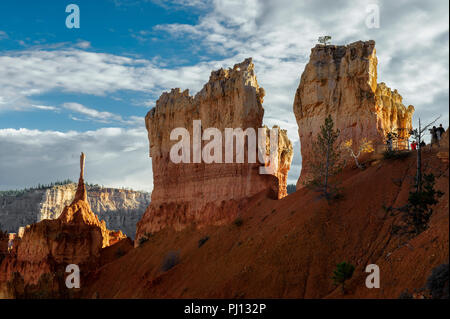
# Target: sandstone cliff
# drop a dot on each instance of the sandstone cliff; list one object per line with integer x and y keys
{"x": 289, "y": 248}
{"x": 342, "y": 81}
{"x": 119, "y": 208}
{"x": 196, "y": 192}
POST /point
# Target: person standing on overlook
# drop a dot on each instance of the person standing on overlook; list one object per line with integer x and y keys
{"x": 434, "y": 139}
{"x": 439, "y": 131}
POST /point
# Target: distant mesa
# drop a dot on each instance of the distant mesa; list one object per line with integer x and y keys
{"x": 119, "y": 208}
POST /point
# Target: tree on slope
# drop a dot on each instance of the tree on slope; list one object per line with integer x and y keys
{"x": 417, "y": 135}
{"x": 342, "y": 273}
{"x": 365, "y": 146}
{"x": 327, "y": 159}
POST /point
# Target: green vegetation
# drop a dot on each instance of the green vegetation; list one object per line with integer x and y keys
{"x": 437, "y": 282}
{"x": 416, "y": 214}
{"x": 19, "y": 192}
{"x": 170, "y": 260}
{"x": 324, "y": 40}
{"x": 327, "y": 160}
{"x": 142, "y": 240}
{"x": 342, "y": 273}
{"x": 291, "y": 188}
{"x": 120, "y": 252}
{"x": 238, "y": 222}
{"x": 394, "y": 155}
{"x": 202, "y": 241}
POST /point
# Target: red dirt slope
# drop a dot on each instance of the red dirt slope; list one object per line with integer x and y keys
{"x": 290, "y": 247}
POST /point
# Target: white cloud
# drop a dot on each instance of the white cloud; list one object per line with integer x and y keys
{"x": 32, "y": 72}
{"x": 412, "y": 48}
{"x": 44, "y": 107}
{"x": 3, "y": 35}
{"x": 83, "y": 44}
{"x": 279, "y": 36}
{"x": 30, "y": 157}
{"x": 92, "y": 113}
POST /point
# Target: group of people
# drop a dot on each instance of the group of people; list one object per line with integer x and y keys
{"x": 436, "y": 134}
{"x": 414, "y": 145}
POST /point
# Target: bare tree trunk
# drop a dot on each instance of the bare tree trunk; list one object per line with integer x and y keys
{"x": 326, "y": 170}
{"x": 356, "y": 162}
{"x": 419, "y": 163}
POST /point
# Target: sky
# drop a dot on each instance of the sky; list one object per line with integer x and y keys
{"x": 63, "y": 91}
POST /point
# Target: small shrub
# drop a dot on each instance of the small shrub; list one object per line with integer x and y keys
{"x": 438, "y": 282}
{"x": 238, "y": 221}
{"x": 170, "y": 260}
{"x": 405, "y": 295}
{"x": 342, "y": 273}
{"x": 291, "y": 188}
{"x": 142, "y": 240}
{"x": 120, "y": 253}
{"x": 202, "y": 241}
{"x": 394, "y": 155}
{"x": 417, "y": 213}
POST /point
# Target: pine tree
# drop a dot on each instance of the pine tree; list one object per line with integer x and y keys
{"x": 327, "y": 159}
{"x": 419, "y": 209}
{"x": 343, "y": 272}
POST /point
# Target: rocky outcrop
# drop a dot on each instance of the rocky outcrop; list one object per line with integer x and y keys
{"x": 392, "y": 114}
{"x": 76, "y": 237}
{"x": 207, "y": 193}
{"x": 341, "y": 81}
{"x": 119, "y": 208}
{"x": 4, "y": 239}
{"x": 442, "y": 153}
{"x": 283, "y": 161}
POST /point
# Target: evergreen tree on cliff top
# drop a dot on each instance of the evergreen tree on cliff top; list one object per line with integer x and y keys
{"x": 327, "y": 159}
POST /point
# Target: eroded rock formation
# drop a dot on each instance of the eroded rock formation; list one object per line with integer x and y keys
{"x": 45, "y": 248}
{"x": 119, "y": 208}
{"x": 342, "y": 81}
{"x": 196, "y": 192}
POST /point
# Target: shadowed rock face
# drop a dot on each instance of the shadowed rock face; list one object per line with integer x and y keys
{"x": 199, "y": 193}
{"x": 342, "y": 81}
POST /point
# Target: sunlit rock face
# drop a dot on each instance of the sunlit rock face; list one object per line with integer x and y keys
{"x": 77, "y": 236}
{"x": 341, "y": 81}
{"x": 208, "y": 193}
{"x": 119, "y": 208}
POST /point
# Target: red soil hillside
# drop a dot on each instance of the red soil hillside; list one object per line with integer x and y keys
{"x": 289, "y": 248}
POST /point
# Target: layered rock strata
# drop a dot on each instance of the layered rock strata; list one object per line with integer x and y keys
{"x": 208, "y": 193}
{"x": 119, "y": 208}
{"x": 341, "y": 81}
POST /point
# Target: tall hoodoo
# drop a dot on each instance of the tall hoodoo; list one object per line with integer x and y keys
{"x": 197, "y": 192}
{"x": 342, "y": 81}
{"x": 77, "y": 237}
{"x": 80, "y": 211}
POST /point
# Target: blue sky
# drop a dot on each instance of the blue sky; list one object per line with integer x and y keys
{"x": 63, "y": 91}
{"x": 119, "y": 28}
